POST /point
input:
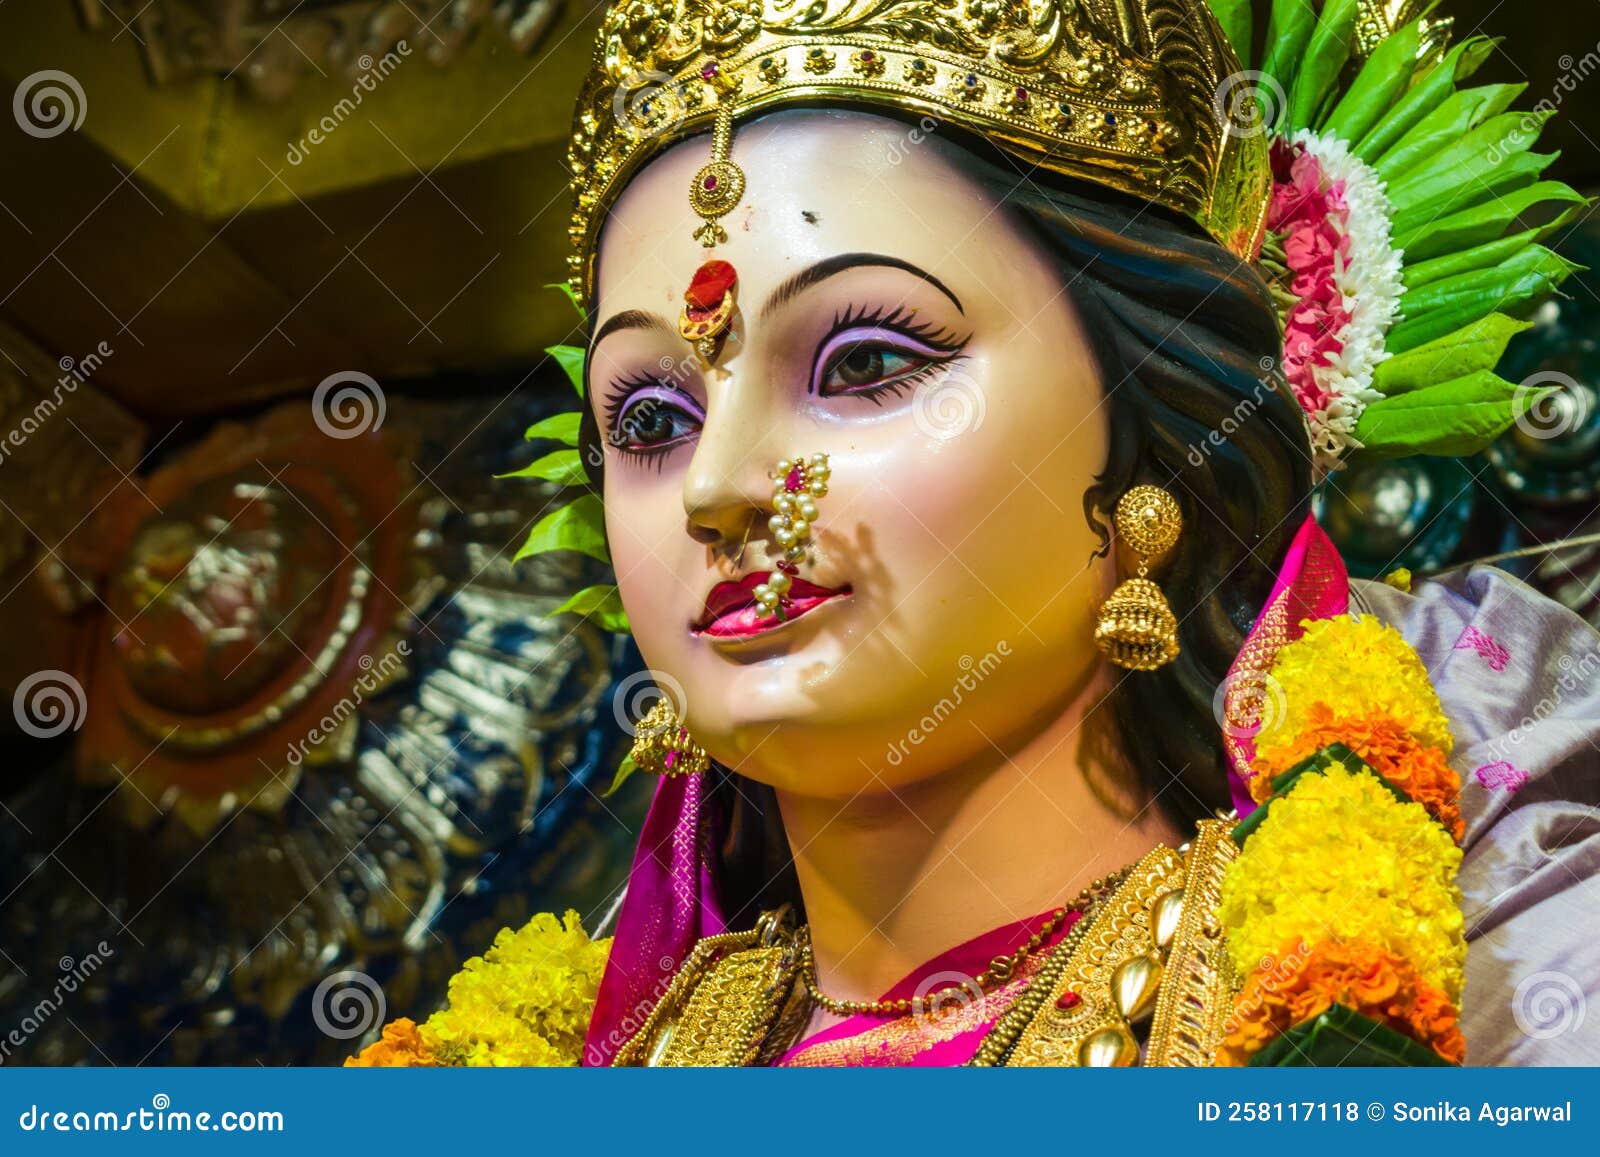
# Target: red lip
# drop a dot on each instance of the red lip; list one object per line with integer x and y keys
{"x": 731, "y": 610}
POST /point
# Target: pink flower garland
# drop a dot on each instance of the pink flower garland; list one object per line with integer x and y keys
{"x": 1312, "y": 221}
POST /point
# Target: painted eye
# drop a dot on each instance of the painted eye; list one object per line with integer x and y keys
{"x": 651, "y": 423}
{"x": 867, "y": 364}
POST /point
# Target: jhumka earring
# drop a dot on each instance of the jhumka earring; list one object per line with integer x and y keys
{"x": 662, "y": 745}
{"x": 797, "y": 483}
{"x": 713, "y": 193}
{"x": 1135, "y": 628}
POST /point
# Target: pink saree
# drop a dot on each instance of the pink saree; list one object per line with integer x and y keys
{"x": 954, "y": 1020}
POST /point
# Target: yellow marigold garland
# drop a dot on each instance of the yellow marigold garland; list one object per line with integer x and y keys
{"x": 524, "y": 1002}
{"x": 1351, "y": 883}
{"x": 1357, "y": 667}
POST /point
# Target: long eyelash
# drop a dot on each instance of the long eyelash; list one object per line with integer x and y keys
{"x": 901, "y": 320}
{"x": 898, "y": 387}
{"x": 625, "y": 389}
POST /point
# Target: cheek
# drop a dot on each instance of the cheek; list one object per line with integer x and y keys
{"x": 644, "y": 530}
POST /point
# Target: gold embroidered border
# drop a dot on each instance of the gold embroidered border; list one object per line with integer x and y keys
{"x": 1198, "y": 989}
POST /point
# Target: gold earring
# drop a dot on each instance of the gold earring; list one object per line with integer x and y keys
{"x": 662, "y": 745}
{"x": 1135, "y": 628}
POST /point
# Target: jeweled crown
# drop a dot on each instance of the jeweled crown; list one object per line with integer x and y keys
{"x": 1123, "y": 93}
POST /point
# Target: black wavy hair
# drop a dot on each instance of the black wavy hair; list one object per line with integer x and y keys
{"x": 1187, "y": 340}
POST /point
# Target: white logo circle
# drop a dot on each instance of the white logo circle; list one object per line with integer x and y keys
{"x": 49, "y": 703}
{"x": 1248, "y": 104}
{"x": 49, "y": 103}
{"x": 347, "y": 1005}
{"x": 641, "y": 691}
{"x": 348, "y": 404}
{"x": 1551, "y": 405}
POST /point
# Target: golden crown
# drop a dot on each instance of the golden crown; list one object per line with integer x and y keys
{"x": 1123, "y": 93}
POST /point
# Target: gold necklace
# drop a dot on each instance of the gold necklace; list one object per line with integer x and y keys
{"x": 1000, "y": 970}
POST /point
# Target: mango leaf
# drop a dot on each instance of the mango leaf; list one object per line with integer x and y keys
{"x": 1424, "y": 96}
{"x": 1455, "y": 418}
{"x": 1235, "y": 18}
{"x": 561, "y": 428}
{"x": 1289, "y": 29}
{"x": 1484, "y": 256}
{"x": 579, "y": 525}
{"x": 1468, "y": 227}
{"x": 1383, "y": 78}
{"x": 601, "y": 605}
{"x": 1460, "y": 113}
{"x": 1478, "y": 346}
{"x": 1435, "y": 310}
{"x": 1325, "y": 58}
{"x": 1481, "y": 180}
{"x": 566, "y": 290}
{"x": 570, "y": 358}
{"x": 563, "y": 467}
{"x": 625, "y": 771}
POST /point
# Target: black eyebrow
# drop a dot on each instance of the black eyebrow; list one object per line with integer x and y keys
{"x": 631, "y": 319}
{"x": 827, "y": 268}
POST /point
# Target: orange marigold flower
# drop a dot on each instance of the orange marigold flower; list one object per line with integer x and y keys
{"x": 400, "y": 1047}
{"x": 1302, "y": 982}
{"x": 1385, "y": 743}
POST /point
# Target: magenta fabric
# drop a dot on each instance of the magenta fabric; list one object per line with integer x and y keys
{"x": 953, "y": 1025}
{"x": 670, "y": 904}
{"x": 1312, "y": 584}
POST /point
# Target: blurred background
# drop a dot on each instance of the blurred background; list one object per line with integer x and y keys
{"x": 286, "y": 720}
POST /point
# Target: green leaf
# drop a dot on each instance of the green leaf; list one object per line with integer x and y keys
{"x": 1235, "y": 18}
{"x": 563, "y": 467}
{"x": 1434, "y": 310}
{"x": 570, "y": 358}
{"x": 1468, "y": 227}
{"x": 580, "y": 525}
{"x": 1455, "y": 418}
{"x": 1382, "y": 79}
{"x": 1460, "y": 113}
{"x": 566, "y": 290}
{"x": 1480, "y": 180}
{"x": 625, "y": 771}
{"x": 1325, "y": 59}
{"x": 561, "y": 428}
{"x": 1424, "y": 96}
{"x": 1479, "y": 257}
{"x": 1475, "y": 347}
{"x": 1481, "y": 149}
{"x": 1289, "y": 29}
{"x": 601, "y": 605}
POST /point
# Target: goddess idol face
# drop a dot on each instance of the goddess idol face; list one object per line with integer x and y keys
{"x": 892, "y": 316}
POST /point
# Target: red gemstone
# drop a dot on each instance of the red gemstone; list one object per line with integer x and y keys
{"x": 1068, "y": 1001}
{"x": 709, "y": 71}
{"x": 794, "y": 480}
{"x": 788, "y": 567}
{"x": 710, "y": 284}
{"x": 710, "y": 182}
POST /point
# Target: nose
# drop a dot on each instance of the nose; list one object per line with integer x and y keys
{"x": 727, "y": 487}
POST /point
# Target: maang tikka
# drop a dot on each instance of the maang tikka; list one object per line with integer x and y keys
{"x": 1136, "y": 628}
{"x": 713, "y": 193}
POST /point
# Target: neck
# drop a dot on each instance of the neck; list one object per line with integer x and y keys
{"x": 893, "y": 879}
